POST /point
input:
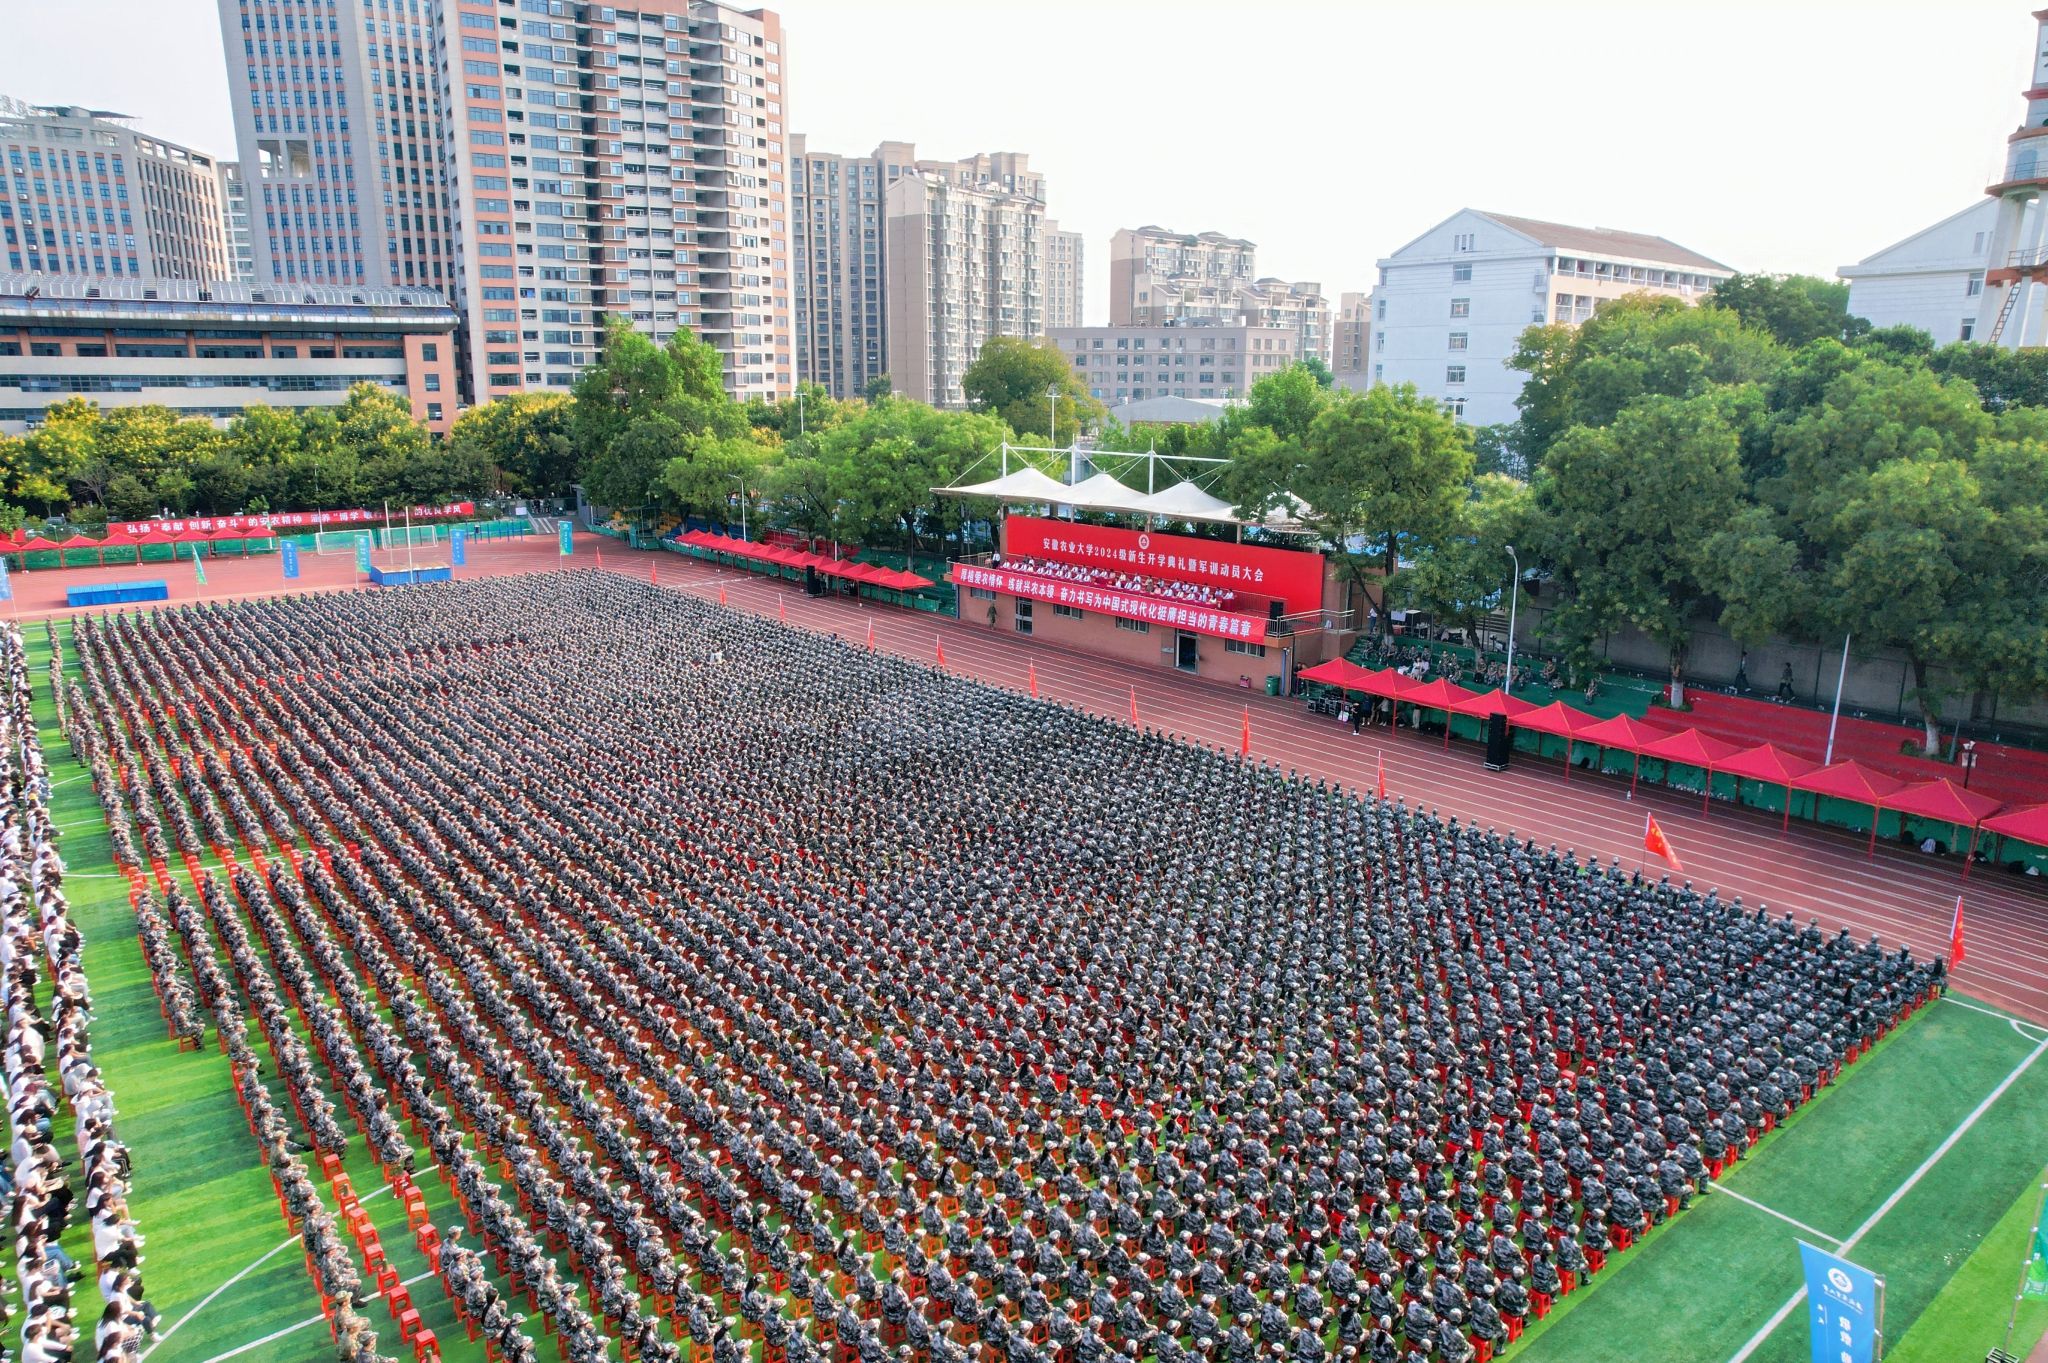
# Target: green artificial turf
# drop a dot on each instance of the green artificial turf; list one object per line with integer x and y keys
{"x": 1695, "y": 1290}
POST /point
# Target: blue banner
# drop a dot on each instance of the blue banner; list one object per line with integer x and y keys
{"x": 1844, "y": 1305}
{"x": 458, "y": 547}
{"x": 289, "y": 553}
{"x": 567, "y": 543}
{"x": 362, "y": 553}
{"x": 6, "y": 582}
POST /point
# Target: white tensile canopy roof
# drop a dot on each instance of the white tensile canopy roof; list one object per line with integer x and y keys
{"x": 1101, "y": 492}
{"x": 1185, "y": 502}
{"x": 1025, "y": 485}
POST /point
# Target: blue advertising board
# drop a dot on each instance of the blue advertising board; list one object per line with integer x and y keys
{"x": 288, "y": 553}
{"x": 1844, "y": 1305}
{"x": 568, "y": 544}
{"x": 458, "y": 547}
{"x": 362, "y": 553}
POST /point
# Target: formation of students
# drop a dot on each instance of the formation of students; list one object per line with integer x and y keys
{"x": 952, "y": 1027}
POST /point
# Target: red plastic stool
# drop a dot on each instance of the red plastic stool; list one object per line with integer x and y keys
{"x": 425, "y": 1348}
{"x": 409, "y": 1324}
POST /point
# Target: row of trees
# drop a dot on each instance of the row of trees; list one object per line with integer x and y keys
{"x": 130, "y": 463}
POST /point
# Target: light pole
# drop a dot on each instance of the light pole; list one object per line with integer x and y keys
{"x": 1841, "y": 676}
{"x": 1052, "y": 413}
{"x": 799, "y": 413}
{"x": 743, "y": 502}
{"x": 1514, "y": 591}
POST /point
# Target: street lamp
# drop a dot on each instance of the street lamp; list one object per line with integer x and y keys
{"x": 1514, "y": 591}
{"x": 737, "y": 478}
{"x": 799, "y": 413}
{"x": 1052, "y": 412}
{"x": 1969, "y": 761}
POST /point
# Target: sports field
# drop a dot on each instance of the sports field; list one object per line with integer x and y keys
{"x": 1928, "y": 1147}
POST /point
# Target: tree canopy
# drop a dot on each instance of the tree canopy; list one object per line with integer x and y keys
{"x": 1010, "y": 378}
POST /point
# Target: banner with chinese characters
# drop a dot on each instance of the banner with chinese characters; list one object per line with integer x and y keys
{"x": 1292, "y": 575}
{"x": 1222, "y": 624}
{"x": 286, "y": 520}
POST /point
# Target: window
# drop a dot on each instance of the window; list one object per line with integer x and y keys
{"x": 1460, "y": 340}
{"x": 1071, "y": 612}
{"x": 433, "y": 383}
{"x": 1240, "y": 646}
{"x": 1969, "y": 326}
{"x": 1379, "y": 311}
{"x": 1461, "y": 273}
{"x": 1456, "y": 407}
{"x": 433, "y": 411}
{"x": 1465, "y": 241}
{"x": 1977, "y": 246}
{"x": 1023, "y": 616}
{"x": 1454, "y": 373}
{"x": 1134, "y": 626}
{"x": 1461, "y": 307}
{"x": 430, "y": 351}
{"x": 981, "y": 593}
{"x": 1975, "y": 286}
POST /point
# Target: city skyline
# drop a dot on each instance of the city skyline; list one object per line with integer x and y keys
{"x": 1760, "y": 183}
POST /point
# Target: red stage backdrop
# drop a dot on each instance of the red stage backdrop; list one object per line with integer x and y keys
{"x": 1295, "y": 577}
{"x": 287, "y": 520}
{"x": 1223, "y": 624}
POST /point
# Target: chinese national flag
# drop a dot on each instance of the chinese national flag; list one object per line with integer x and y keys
{"x": 1244, "y": 743}
{"x": 782, "y": 610}
{"x": 1383, "y": 776}
{"x": 600, "y": 556}
{"x": 1134, "y": 709}
{"x": 653, "y": 580}
{"x": 1031, "y": 676}
{"x": 721, "y": 595}
{"x": 1955, "y": 936}
{"x": 938, "y": 646}
{"x": 871, "y": 636}
{"x": 1657, "y": 844}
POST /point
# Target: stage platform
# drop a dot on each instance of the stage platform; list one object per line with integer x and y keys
{"x": 406, "y": 577}
{"x": 115, "y": 593}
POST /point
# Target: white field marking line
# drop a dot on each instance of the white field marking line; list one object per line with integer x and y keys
{"x": 2019, "y": 1025}
{"x": 383, "y": 1188}
{"x": 276, "y": 1335}
{"x": 1756, "y": 1340}
{"x": 1773, "y": 1211}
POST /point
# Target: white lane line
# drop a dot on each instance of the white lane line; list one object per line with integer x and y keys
{"x": 1756, "y": 1340}
{"x": 276, "y": 1335}
{"x": 1773, "y": 1211}
{"x": 2025, "y": 1029}
{"x": 208, "y": 1298}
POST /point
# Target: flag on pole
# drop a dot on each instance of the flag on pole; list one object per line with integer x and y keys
{"x": 288, "y": 555}
{"x": 1134, "y": 709}
{"x": 1383, "y": 776}
{"x": 1657, "y": 844}
{"x": 1031, "y": 677}
{"x": 939, "y": 648}
{"x": 721, "y": 593}
{"x": 198, "y": 568}
{"x": 1244, "y": 742}
{"x": 600, "y": 556}
{"x": 782, "y": 609}
{"x": 1955, "y": 936}
{"x": 871, "y": 636}
{"x": 653, "y": 580}
{"x": 6, "y": 583}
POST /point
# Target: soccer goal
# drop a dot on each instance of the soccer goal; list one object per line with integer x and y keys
{"x": 399, "y": 536}
{"x": 329, "y": 543}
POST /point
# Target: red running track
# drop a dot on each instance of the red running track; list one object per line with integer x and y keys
{"x": 1813, "y": 870}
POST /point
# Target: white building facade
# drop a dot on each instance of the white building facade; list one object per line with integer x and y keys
{"x": 1451, "y": 306}
{"x": 966, "y": 261}
{"x": 1121, "y": 364}
{"x": 1933, "y": 280}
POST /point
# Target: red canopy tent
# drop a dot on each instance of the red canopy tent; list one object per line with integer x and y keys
{"x": 2029, "y": 824}
{"x": 1954, "y": 805}
{"x": 1690, "y": 747}
{"x": 85, "y": 542}
{"x": 1851, "y": 780}
{"x": 1559, "y": 719}
{"x": 1438, "y": 695}
{"x": 37, "y": 544}
{"x": 1771, "y": 765}
{"x": 242, "y": 536}
{"x": 1626, "y": 732}
{"x": 1339, "y": 672}
{"x": 1494, "y": 702}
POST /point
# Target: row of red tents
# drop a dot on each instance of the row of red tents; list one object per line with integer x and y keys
{"x": 34, "y": 544}
{"x": 1941, "y": 799}
{"x": 853, "y": 570}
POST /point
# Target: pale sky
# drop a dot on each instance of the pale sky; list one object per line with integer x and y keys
{"x": 1768, "y": 134}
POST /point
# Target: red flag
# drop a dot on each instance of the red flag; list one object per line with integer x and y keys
{"x": 1031, "y": 675}
{"x": 1657, "y": 844}
{"x": 600, "y": 556}
{"x": 721, "y": 593}
{"x": 871, "y": 636}
{"x": 1383, "y": 776}
{"x": 652, "y": 580}
{"x": 782, "y": 609}
{"x": 939, "y": 647}
{"x": 1955, "y": 937}
{"x": 1244, "y": 742}
{"x": 1134, "y": 709}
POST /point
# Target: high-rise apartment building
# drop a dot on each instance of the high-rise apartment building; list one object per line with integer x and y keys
{"x": 339, "y": 130}
{"x": 1120, "y": 364}
{"x": 234, "y": 221}
{"x": 1063, "y": 257}
{"x": 1349, "y": 334}
{"x": 1158, "y": 277}
{"x": 838, "y": 220}
{"x": 847, "y": 288}
{"x": 90, "y": 195}
{"x": 965, "y": 261}
{"x": 616, "y": 164}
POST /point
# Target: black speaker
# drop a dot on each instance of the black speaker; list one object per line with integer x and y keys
{"x": 813, "y": 584}
{"x": 1497, "y": 745}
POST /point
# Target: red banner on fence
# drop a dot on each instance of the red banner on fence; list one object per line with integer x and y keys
{"x": 1292, "y": 575}
{"x": 285, "y": 520}
{"x": 1195, "y": 619}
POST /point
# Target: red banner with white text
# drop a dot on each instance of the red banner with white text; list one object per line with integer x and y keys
{"x": 286, "y": 520}
{"x": 1195, "y": 619}
{"x": 1292, "y": 575}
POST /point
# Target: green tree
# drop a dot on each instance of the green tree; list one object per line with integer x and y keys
{"x": 714, "y": 468}
{"x": 526, "y": 437}
{"x": 1318, "y": 371}
{"x": 2003, "y": 377}
{"x": 877, "y": 388}
{"x": 1793, "y": 308}
{"x": 633, "y": 410}
{"x": 1011, "y": 377}
{"x": 1461, "y": 578}
{"x": 61, "y": 455}
{"x": 880, "y": 469}
{"x": 1626, "y": 512}
{"x": 625, "y": 476}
